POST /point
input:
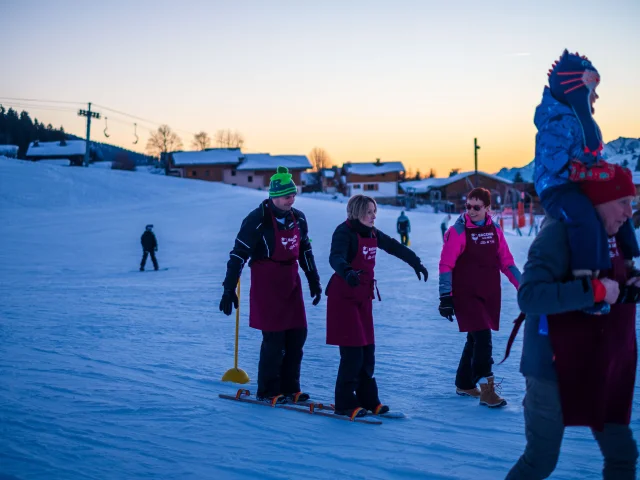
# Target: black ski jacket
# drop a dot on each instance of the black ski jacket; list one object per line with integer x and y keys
{"x": 256, "y": 241}
{"x": 344, "y": 246}
{"x": 148, "y": 241}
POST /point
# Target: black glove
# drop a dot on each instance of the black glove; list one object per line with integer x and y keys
{"x": 353, "y": 278}
{"x": 629, "y": 294}
{"x": 634, "y": 272}
{"x": 316, "y": 290}
{"x": 229, "y": 299}
{"x": 446, "y": 306}
{"x": 421, "y": 269}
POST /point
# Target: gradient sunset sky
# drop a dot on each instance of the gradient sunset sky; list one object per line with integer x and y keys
{"x": 410, "y": 81}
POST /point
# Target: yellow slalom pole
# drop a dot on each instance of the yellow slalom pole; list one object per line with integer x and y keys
{"x": 236, "y": 375}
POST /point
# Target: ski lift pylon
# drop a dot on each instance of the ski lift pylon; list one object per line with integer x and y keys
{"x": 135, "y": 133}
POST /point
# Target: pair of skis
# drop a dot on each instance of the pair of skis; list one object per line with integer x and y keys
{"x": 311, "y": 408}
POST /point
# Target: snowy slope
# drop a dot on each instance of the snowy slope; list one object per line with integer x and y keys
{"x": 109, "y": 373}
{"x": 617, "y": 151}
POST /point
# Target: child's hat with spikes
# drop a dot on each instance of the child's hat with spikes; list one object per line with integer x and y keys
{"x": 572, "y": 78}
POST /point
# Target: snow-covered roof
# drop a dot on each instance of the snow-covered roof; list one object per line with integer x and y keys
{"x": 54, "y": 149}
{"x": 214, "y": 156}
{"x": 8, "y": 149}
{"x": 328, "y": 173}
{"x": 423, "y": 186}
{"x": 460, "y": 176}
{"x": 264, "y": 161}
{"x": 373, "y": 168}
{"x": 309, "y": 178}
{"x": 420, "y": 186}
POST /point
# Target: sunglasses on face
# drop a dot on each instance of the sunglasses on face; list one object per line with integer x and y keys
{"x": 477, "y": 208}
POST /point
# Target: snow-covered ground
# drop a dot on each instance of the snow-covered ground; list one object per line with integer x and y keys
{"x": 109, "y": 373}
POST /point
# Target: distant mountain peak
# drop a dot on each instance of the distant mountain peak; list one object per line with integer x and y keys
{"x": 622, "y": 151}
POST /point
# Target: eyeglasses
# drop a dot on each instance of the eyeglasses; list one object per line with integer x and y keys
{"x": 477, "y": 208}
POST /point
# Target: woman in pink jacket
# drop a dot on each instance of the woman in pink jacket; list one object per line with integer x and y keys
{"x": 474, "y": 253}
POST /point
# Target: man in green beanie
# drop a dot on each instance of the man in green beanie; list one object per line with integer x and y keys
{"x": 274, "y": 239}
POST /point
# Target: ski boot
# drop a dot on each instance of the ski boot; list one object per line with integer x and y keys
{"x": 298, "y": 397}
{"x": 273, "y": 399}
{"x": 472, "y": 392}
{"x": 355, "y": 413}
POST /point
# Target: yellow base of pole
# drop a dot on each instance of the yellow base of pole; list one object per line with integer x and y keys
{"x": 236, "y": 375}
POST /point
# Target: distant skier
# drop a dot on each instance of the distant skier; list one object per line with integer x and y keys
{"x": 445, "y": 224}
{"x": 275, "y": 237}
{"x": 568, "y": 156}
{"x": 404, "y": 228}
{"x": 350, "y": 296}
{"x": 473, "y": 255}
{"x": 149, "y": 247}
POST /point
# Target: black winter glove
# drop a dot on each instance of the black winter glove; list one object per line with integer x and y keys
{"x": 229, "y": 300}
{"x": 316, "y": 290}
{"x": 446, "y": 306}
{"x": 634, "y": 272}
{"x": 629, "y": 294}
{"x": 353, "y": 278}
{"x": 421, "y": 269}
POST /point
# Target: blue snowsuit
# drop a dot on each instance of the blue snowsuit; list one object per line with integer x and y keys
{"x": 560, "y": 139}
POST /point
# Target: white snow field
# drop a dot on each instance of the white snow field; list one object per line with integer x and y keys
{"x": 109, "y": 373}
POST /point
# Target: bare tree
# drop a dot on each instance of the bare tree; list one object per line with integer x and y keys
{"x": 163, "y": 140}
{"x": 432, "y": 173}
{"x": 319, "y": 159}
{"x": 229, "y": 139}
{"x": 408, "y": 175}
{"x": 454, "y": 172}
{"x": 201, "y": 141}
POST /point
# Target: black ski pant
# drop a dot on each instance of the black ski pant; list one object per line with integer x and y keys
{"x": 147, "y": 253}
{"x": 355, "y": 385}
{"x": 280, "y": 359}
{"x": 476, "y": 360}
{"x": 404, "y": 238}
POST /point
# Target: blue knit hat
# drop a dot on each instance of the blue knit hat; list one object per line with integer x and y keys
{"x": 572, "y": 78}
{"x": 282, "y": 183}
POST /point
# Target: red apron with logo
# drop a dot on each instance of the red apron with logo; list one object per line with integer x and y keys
{"x": 350, "y": 309}
{"x": 275, "y": 299}
{"x": 595, "y": 358}
{"x": 476, "y": 290}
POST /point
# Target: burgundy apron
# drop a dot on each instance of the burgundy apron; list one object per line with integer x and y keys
{"x": 350, "y": 309}
{"x": 595, "y": 359}
{"x": 476, "y": 281}
{"x": 275, "y": 299}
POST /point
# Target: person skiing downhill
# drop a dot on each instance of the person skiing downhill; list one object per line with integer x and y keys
{"x": 350, "y": 294}
{"x": 473, "y": 255}
{"x": 275, "y": 238}
{"x": 580, "y": 370}
{"x": 149, "y": 247}
{"x": 569, "y": 154}
{"x": 403, "y": 226}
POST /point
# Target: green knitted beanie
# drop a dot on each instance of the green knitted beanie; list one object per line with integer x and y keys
{"x": 282, "y": 183}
